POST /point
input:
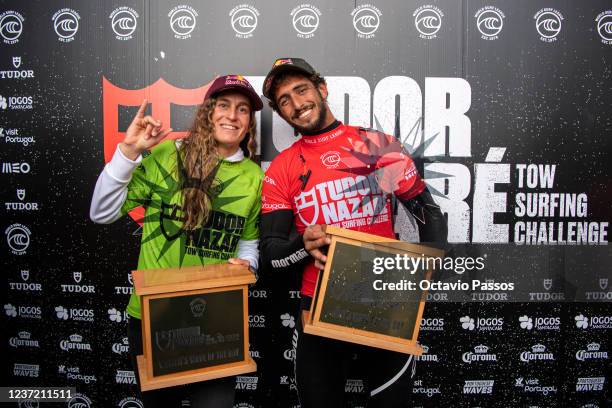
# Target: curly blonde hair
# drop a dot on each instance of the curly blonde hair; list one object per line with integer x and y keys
{"x": 199, "y": 162}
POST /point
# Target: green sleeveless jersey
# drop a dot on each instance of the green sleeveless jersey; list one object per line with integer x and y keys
{"x": 236, "y": 202}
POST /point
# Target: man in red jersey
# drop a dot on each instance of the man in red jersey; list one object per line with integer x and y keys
{"x": 344, "y": 176}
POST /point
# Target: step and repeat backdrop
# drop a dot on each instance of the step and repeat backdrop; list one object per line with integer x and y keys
{"x": 505, "y": 107}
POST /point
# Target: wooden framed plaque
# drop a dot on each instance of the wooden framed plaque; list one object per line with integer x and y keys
{"x": 346, "y": 304}
{"x": 194, "y": 324}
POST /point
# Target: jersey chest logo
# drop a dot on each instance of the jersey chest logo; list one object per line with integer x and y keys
{"x": 303, "y": 202}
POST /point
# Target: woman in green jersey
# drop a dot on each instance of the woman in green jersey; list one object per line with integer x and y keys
{"x": 202, "y": 197}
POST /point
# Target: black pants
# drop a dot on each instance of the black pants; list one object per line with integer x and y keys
{"x": 206, "y": 394}
{"x": 322, "y": 365}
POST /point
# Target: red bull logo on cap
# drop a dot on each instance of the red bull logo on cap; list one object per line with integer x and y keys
{"x": 236, "y": 80}
{"x": 282, "y": 62}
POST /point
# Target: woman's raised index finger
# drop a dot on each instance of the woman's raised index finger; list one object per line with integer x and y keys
{"x": 142, "y": 108}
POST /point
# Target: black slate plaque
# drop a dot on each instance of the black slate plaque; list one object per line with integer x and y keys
{"x": 196, "y": 331}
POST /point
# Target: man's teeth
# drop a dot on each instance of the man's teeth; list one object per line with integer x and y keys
{"x": 305, "y": 113}
{"x": 230, "y": 127}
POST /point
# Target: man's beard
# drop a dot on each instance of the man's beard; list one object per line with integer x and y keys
{"x": 317, "y": 124}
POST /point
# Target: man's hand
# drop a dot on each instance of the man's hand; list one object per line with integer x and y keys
{"x": 143, "y": 133}
{"x": 314, "y": 238}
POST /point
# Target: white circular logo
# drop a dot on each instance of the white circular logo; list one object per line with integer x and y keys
{"x": 66, "y": 23}
{"x": 244, "y": 20}
{"x": 548, "y": 24}
{"x": 489, "y": 23}
{"x": 79, "y": 401}
{"x": 130, "y": 402}
{"x": 305, "y": 19}
{"x": 124, "y": 22}
{"x": 183, "y": 21}
{"x": 428, "y": 21}
{"x": 18, "y": 238}
{"x": 604, "y": 25}
{"x": 366, "y": 20}
{"x": 331, "y": 159}
{"x": 11, "y": 25}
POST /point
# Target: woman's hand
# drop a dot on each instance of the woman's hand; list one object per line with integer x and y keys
{"x": 143, "y": 133}
{"x": 238, "y": 261}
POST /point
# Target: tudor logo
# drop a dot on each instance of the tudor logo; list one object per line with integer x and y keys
{"x": 603, "y": 283}
{"x": 331, "y": 159}
{"x": 21, "y": 194}
{"x": 16, "y": 62}
{"x": 77, "y": 276}
{"x": 163, "y": 341}
{"x": 428, "y": 20}
{"x": 170, "y": 223}
{"x": 366, "y": 20}
{"x": 548, "y": 24}
{"x": 304, "y": 201}
{"x": 244, "y": 20}
{"x": 547, "y": 283}
{"x": 305, "y": 20}
{"x": 25, "y": 275}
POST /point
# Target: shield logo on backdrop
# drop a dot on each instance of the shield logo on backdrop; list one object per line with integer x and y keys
{"x": 130, "y": 279}
{"x": 169, "y": 222}
{"x": 161, "y": 95}
{"x": 303, "y": 202}
{"x": 603, "y": 283}
{"x": 16, "y": 62}
{"x": 77, "y": 276}
{"x": 25, "y": 275}
{"x": 547, "y": 284}
{"x": 21, "y": 194}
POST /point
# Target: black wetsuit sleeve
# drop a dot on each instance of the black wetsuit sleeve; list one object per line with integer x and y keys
{"x": 280, "y": 249}
{"x": 432, "y": 225}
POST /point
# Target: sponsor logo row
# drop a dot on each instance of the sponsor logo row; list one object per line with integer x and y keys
{"x": 592, "y": 352}
{"x": 532, "y": 385}
{"x": 182, "y": 20}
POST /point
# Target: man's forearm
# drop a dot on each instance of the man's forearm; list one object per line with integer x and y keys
{"x": 277, "y": 249}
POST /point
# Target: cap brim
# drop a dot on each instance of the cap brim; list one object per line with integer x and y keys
{"x": 280, "y": 69}
{"x": 255, "y": 100}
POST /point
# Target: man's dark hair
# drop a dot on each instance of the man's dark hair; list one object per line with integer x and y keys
{"x": 315, "y": 78}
